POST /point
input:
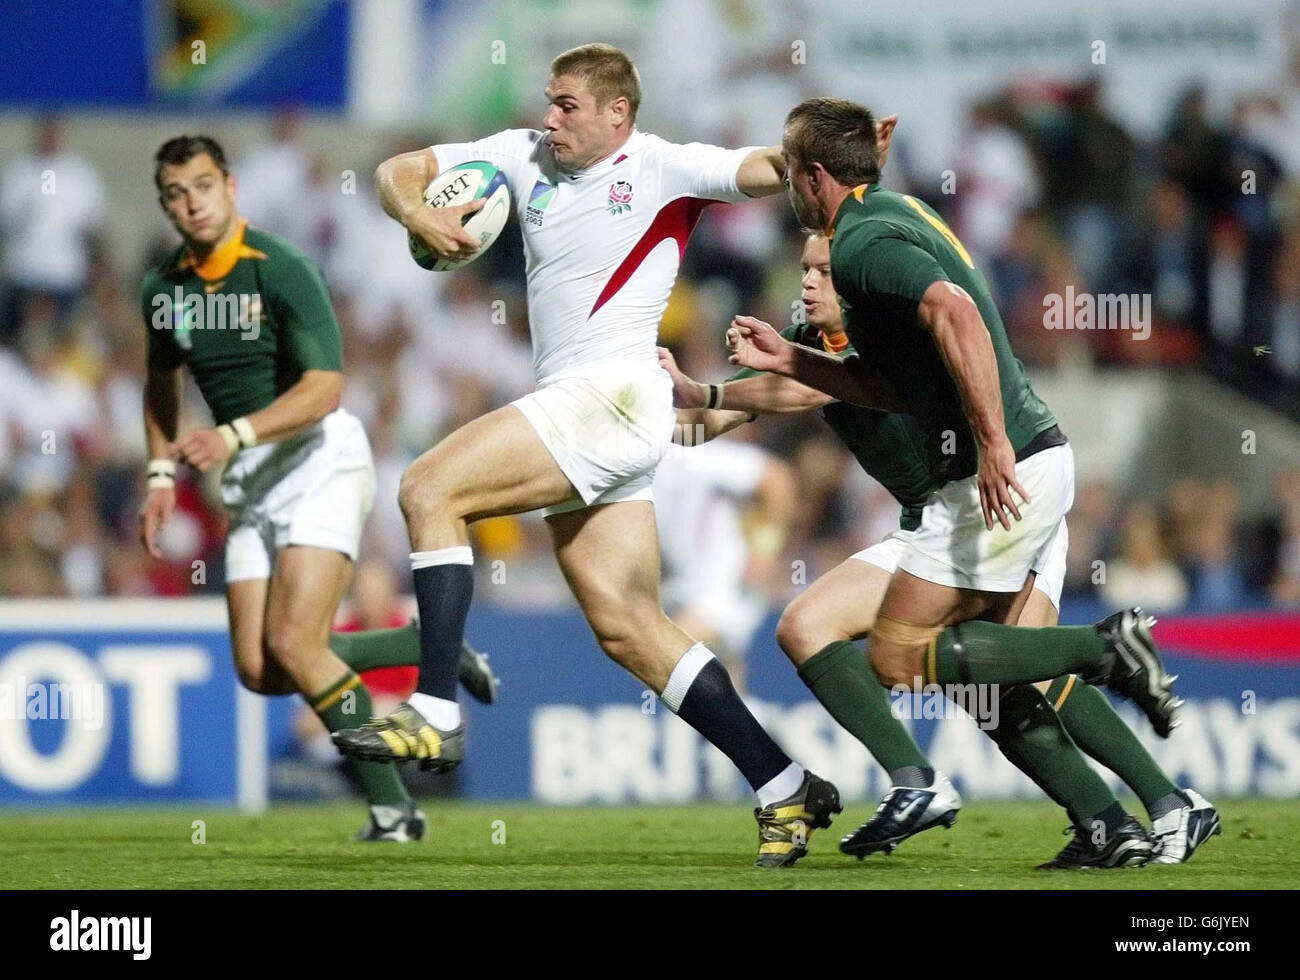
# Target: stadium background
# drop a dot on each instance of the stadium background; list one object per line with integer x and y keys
{"x": 1164, "y": 164}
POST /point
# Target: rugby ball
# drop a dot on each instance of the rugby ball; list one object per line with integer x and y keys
{"x": 461, "y": 185}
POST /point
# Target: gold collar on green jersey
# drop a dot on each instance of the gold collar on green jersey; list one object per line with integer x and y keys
{"x": 858, "y": 193}
{"x": 835, "y": 346}
{"x": 218, "y": 264}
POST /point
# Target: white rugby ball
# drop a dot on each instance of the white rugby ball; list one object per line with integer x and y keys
{"x": 461, "y": 185}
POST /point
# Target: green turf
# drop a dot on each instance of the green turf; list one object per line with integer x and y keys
{"x": 992, "y": 846}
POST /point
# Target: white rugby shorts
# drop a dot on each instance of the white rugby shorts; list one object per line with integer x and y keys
{"x": 607, "y": 424}
{"x": 1049, "y": 579}
{"x": 952, "y": 546}
{"x": 315, "y": 488}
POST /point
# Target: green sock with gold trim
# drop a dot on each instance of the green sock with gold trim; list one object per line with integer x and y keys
{"x": 841, "y": 678}
{"x": 1098, "y": 730}
{"x": 368, "y": 649}
{"x": 976, "y": 652}
{"x": 1033, "y": 738}
{"x": 346, "y": 704}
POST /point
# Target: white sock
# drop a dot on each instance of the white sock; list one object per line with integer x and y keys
{"x": 460, "y": 554}
{"x": 439, "y": 712}
{"x": 683, "y": 675}
{"x": 781, "y": 786}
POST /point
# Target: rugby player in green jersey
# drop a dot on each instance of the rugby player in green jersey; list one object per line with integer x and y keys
{"x": 930, "y": 342}
{"x": 251, "y": 318}
{"x": 818, "y": 628}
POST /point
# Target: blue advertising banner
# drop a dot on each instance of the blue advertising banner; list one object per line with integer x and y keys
{"x": 137, "y": 700}
{"x": 175, "y": 53}
{"x": 571, "y": 727}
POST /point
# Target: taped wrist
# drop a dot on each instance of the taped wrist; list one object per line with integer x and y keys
{"x": 160, "y": 473}
{"x": 238, "y": 434}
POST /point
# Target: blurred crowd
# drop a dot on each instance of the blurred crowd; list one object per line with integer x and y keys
{"x": 1051, "y": 193}
{"x": 1205, "y": 220}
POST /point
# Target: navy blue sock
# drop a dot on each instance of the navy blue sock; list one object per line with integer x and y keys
{"x": 442, "y": 593}
{"x": 713, "y": 708}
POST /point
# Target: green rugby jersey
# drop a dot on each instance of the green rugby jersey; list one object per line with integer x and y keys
{"x": 888, "y": 445}
{"x": 248, "y": 321}
{"x": 886, "y": 250}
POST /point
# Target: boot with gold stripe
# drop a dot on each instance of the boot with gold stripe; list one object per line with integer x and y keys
{"x": 404, "y": 736}
{"x": 784, "y": 827}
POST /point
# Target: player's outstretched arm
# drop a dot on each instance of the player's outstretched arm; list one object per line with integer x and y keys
{"x": 762, "y": 172}
{"x": 770, "y": 394}
{"x": 762, "y": 394}
{"x": 400, "y": 182}
{"x": 162, "y": 399}
{"x": 754, "y": 344}
{"x": 695, "y": 423}
{"x": 696, "y": 426}
{"x": 953, "y": 320}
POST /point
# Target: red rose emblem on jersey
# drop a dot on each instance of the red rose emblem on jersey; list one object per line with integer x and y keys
{"x": 620, "y": 197}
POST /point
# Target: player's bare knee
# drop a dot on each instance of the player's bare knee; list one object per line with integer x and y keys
{"x": 414, "y": 494}
{"x": 620, "y": 648}
{"x": 424, "y": 493}
{"x": 797, "y": 631}
{"x": 250, "y": 678}
{"x": 252, "y": 675}
{"x": 288, "y": 644}
{"x": 620, "y": 643}
{"x": 621, "y": 635}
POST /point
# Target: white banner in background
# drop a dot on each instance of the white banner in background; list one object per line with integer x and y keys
{"x": 728, "y": 72}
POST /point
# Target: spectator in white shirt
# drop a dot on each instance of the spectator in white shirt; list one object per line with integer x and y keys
{"x": 52, "y": 206}
{"x": 273, "y": 178}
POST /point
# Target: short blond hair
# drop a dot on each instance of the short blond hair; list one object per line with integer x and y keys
{"x": 606, "y": 71}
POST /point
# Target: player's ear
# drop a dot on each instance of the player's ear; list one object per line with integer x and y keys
{"x": 884, "y": 134}
{"x": 619, "y": 110}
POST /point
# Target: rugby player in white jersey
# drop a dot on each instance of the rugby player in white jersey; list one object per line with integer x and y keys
{"x": 605, "y": 211}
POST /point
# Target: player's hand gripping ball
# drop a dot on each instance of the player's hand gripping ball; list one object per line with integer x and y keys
{"x": 466, "y": 184}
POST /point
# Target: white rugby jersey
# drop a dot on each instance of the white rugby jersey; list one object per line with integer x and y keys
{"x": 602, "y": 245}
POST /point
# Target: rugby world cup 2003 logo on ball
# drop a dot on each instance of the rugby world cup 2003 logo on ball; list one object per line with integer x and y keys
{"x": 620, "y": 197}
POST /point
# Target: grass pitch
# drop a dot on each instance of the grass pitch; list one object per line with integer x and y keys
{"x": 993, "y": 845}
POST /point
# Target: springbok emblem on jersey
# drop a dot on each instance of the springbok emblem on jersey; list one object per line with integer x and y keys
{"x": 620, "y": 197}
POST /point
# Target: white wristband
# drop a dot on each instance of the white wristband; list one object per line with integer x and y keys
{"x": 244, "y": 430}
{"x": 232, "y": 440}
{"x": 161, "y": 473}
